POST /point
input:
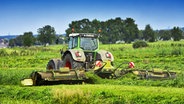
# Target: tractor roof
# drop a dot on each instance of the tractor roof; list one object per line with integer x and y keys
{"x": 91, "y": 35}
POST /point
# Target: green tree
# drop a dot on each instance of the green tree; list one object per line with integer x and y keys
{"x": 131, "y": 30}
{"x": 111, "y": 30}
{"x": 11, "y": 43}
{"x": 95, "y": 26}
{"x": 19, "y": 40}
{"x": 81, "y": 26}
{"x": 164, "y": 34}
{"x": 141, "y": 35}
{"x": 176, "y": 34}
{"x": 28, "y": 39}
{"x": 46, "y": 35}
{"x": 149, "y": 34}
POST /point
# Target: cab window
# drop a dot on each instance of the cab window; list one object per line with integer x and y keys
{"x": 70, "y": 43}
{"x": 73, "y": 42}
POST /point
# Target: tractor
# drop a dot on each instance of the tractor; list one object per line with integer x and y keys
{"x": 84, "y": 55}
{"x": 83, "y": 52}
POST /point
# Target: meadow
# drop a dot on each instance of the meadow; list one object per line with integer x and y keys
{"x": 17, "y": 63}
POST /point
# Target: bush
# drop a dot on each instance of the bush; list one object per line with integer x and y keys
{"x": 140, "y": 44}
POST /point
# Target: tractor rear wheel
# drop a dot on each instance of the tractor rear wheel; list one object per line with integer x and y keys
{"x": 68, "y": 61}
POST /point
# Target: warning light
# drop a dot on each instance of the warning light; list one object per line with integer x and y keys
{"x": 73, "y": 30}
{"x": 99, "y": 30}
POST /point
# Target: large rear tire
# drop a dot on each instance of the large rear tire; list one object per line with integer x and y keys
{"x": 54, "y": 64}
{"x": 68, "y": 61}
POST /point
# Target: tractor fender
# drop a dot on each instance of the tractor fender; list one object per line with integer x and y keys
{"x": 104, "y": 57}
{"x": 77, "y": 55}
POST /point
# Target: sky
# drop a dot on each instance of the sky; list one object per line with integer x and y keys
{"x": 19, "y": 16}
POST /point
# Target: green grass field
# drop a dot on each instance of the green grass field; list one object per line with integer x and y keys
{"x": 90, "y": 94}
{"x": 17, "y": 63}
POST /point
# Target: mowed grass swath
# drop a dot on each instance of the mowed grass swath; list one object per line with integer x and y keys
{"x": 17, "y": 63}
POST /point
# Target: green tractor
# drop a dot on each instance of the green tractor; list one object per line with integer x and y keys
{"x": 83, "y": 53}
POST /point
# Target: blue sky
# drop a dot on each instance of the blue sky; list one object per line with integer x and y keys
{"x": 19, "y": 16}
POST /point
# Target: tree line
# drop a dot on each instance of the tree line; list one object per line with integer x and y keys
{"x": 111, "y": 31}
{"x": 46, "y": 35}
{"x": 117, "y": 29}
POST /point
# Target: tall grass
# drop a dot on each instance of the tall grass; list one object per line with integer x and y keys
{"x": 27, "y": 95}
{"x": 91, "y": 94}
{"x": 13, "y": 76}
{"x": 71, "y": 96}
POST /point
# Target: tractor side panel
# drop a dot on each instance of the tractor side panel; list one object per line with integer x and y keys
{"x": 77, "y": 55}
{"x": 104, "y": 57}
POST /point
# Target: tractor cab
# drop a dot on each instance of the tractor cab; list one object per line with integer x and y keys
{"x": 84, "y": 41}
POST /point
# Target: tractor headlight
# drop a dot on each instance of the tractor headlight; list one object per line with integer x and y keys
{"x": 78, "y": 54}
{"x": 108, "y": 55}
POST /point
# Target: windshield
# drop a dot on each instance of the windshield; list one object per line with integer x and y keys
{"x": 88, "y": 43}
